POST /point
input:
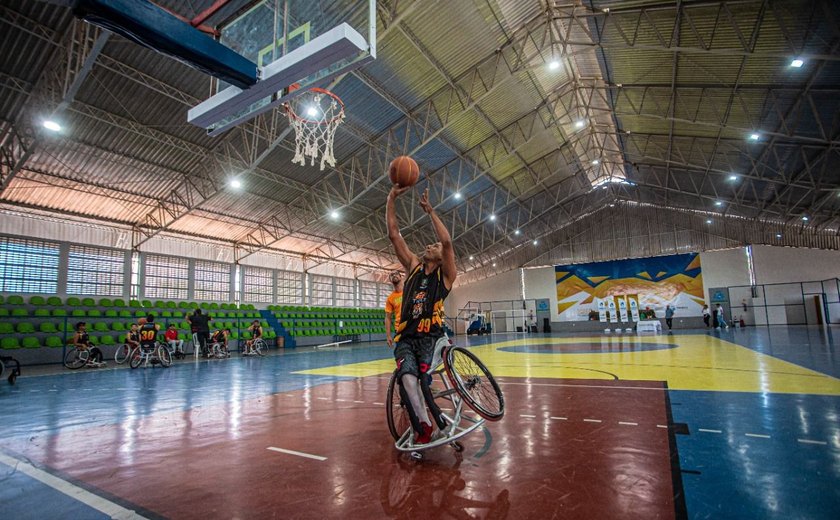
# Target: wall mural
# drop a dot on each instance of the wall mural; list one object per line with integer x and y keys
{"x": 587, "y": 291}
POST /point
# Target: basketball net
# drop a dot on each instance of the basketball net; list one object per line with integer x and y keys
{"x": 315, "y": 116}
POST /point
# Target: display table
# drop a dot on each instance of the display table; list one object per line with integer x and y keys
{"x": 653, "y": 326}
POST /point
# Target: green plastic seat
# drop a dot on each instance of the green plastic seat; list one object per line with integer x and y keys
{"x": 9, "y": 343}
{"x": 147, "y": 304}
{"x": 100, "y": 327}
{"x": 119, "y": 303}
{"x": 141, "y": 313}
{"x": 94, "y": 313}
{"x": 204, "y": 305}
{"x": 78, "y": 313}
{"x": 121, "y": 339}
{"x": 4, "y": 312}
{"x": 184, "y": 337}
{"x": 159, "y": 304}
{"x": 73, "y": 301}
{"x": 165, "y": 314}
{"x": 234, "y": 335}
{"x": 59, "y": 312}
{"x": 30, "y": 342}
{"x": 48, "y": 327}
{"x": 134, "y": 303}
{"x": 54, "y": 342}
{"x": 108, "y": 340}
{"x": 110, "y": 313}
{"x": 25, "y": 327}
{"x": 117, "y": 325}
{"x": 88, "y": 302}
{"x": 7, "y": 328}
{"x": 171, "y": 305}
{"x": 37, "y": 300}
{"x": 14, "y": 300}
{"x": 20, "y": 312}
{"x": 106, "y": 302}
{"x": 183, "y": 305}
{"x": 94, "y": 340}
{"x": 246, "y": 335}
{"x": 214, "y": 306}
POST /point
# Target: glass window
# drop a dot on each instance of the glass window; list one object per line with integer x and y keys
{"x": 166, "y": 277}
{"x": 322, "y": 291}
{"x": 385, "y": 290}
{"x": 212, "y": 281}
{"x": 28, "y": 266}
{"x": 344, "y": 292}
{"x": 289, "y": 287}
{"x": 368, "y": 294}
{"x": 95, "y": 271}
{"x": 258, "y": 285}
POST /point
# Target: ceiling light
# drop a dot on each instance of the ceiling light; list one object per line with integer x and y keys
{"x": 52, "y": 125}
{"x": 579, "y": 123}
{"x": 312, "y": 111}
{"x": 596, "y": 162}
{"x": 612, "y": 205}
{"x": 797, "y": 62}
{"x": 457, "y": 195}
{"x": 516, "y": 232}
{"x": 334, "y": 214}
{"x": 472, "y": 257}
{"x": 718, "y": 203}
{"x": 536, "y": 242}
{"x": 754, "y": 137}
{"x": 235, "y": 183}
{"x": 805, "y": 218}
{"x": 494, "y": 264}
{"x": 778, "y": 235}
{"x": 554, "y": 65}
{"x": 492, "y": 217}
{"x": 733, "y": 177}
{"x": 709, "y": 221}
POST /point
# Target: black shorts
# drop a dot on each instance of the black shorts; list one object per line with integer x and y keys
{"x": 414, "y": 355}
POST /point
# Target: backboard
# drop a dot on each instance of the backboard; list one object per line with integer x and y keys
{"x": 295, "y": 43}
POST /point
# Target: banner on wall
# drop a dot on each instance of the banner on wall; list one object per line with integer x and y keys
{"x": 654, "y": 282}
{"x": 622, "y": 308}
{"x": 633, "y": 300}
{"x": 611, "y": 308}
{"x": 602, "y": 310}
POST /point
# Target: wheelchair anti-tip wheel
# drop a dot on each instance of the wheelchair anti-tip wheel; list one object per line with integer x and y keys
{"x": 474, "y": 383}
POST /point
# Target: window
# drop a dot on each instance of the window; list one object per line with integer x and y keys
{"x": 95, "y": 271}
{"x": 212, "y": 281}
{"x": 289, "y": 287}
{"x": 368, "y": 294}
{"x": 385, "y": 289}
{"x": 344, "y": 295}
{"x": 166, "y": 277}
{"x": 258, "y": 285}
{"x": 28, "y": 266}
{"x": 322, "y": 291}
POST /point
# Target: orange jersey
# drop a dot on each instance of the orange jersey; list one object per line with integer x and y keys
{"x": 393, "y": 305}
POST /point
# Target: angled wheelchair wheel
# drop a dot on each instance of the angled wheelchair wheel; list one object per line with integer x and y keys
{"x": 395, "y": 409}
{"x": 135, "y": 357}
{"x": 121, "y": 355}
{"x": 474, "y": 383}
{"x": 164, "y": 356}
{"x": 76, "y": 358}
{"x": 259, "y": 347}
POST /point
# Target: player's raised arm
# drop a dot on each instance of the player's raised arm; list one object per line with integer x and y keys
{"x": 448, "y": 251}
{"x": 408, "y": 259}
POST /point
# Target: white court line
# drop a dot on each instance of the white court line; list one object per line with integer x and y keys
{"x": 586, "y": 386}
{"x": 809, "y": 441}
{"x": 359, "y": 402}
{"x": 298, "y": 453}
{"x": 559, "y": 418}
{"x": 528, "y": 416}
{"x": 760, "y": 436}
{"x": 323, "y": 398}
{"x": 708, "y": 431}
{"x": 592, "y": 420}
{"x": 75, "y": 492}
{"x": 379, "y": 404}
{"x": 661, "y": 425}
{"x": 342, "y": 400}
{"x": 628, "y": 423}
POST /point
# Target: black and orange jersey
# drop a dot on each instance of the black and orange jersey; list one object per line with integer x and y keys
{"x": 422, "y": 304}
{"x": 148, "y": 334}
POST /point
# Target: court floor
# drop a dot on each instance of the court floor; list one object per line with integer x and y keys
{"x": 733, "y": 424}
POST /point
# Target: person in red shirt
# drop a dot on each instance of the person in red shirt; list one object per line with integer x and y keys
{"x": 176, "y": 346}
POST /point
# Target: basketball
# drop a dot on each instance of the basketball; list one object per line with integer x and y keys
{"x": 404, "y": 171}
{"x": 141, "y": 321}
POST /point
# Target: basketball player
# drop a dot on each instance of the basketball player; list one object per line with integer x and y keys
{"x": 392, "y": 305}
{"x": 148, "y": 333}
{"x": 429, "y": 281}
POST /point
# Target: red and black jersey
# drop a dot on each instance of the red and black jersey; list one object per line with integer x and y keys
{"x": 422, "y": 304}
{"x": 148, "y": 334}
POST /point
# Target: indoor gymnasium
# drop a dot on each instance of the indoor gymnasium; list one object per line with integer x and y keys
{"x": 524, "y": 259}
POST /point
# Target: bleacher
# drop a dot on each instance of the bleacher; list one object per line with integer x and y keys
{"x": 34, "y": 329}
{"x": 314, "y": 325}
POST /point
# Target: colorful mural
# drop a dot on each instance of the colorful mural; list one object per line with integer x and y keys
{"x": 655, "y": 282}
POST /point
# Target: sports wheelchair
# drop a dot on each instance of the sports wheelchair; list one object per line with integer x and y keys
{"x": 465, "y": 379}
{"x": 13, "y": 372}
{"x": 156, "y": 354}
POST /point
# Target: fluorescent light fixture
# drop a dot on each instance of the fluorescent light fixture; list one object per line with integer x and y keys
{"x": 805, "y": 218}
{"x": 554, "y": 65}
{"x": 604, "y": 181}
{"x": 733, "y": 177}
{"x": 718, "y": 203}
{"x": 494, "y": 264}
{"x": 797, "y": 62}
{"x": 472, "y": 257}
{"x": 492, "y": 217}
{"x": 516, "y": 232}
{"x": 596, "y": 162}
{"x": 536, "y": 242}
{"x": 235, "y": 183}
{"x": 754, "y": 137}
{"x": 457, "y": 195}
{"x": 52, "y": 125}
{"x": 708, "y": 221}
{"x": 334, "y": 214}
{"x": 579, "y": 123}
{"x": 778, "y": 235}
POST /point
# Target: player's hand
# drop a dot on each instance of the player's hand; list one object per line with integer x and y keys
{"x": 397, "y": 190}
{"x": 424, "y": 202}
{"x": 390, "y": 341}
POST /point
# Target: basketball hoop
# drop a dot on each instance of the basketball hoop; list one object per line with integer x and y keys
{"x": 315, "y": 115}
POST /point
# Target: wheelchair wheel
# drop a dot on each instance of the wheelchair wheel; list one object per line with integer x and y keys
{"x": 259, "y": 347}
{"x": 474, "y": 383}
{"x": 76, "y": 358}
{"x": 395, "y": 409}
{"x": 135, "y": 358}
{"x": 164, "y": 356}
{"x": 121, "y": 355}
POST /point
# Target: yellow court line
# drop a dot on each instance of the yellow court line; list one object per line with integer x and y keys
{"x": 696, "y": 362}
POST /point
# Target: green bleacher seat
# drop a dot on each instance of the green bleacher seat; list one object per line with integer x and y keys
{"x": 88, "y": 302}
{"x": 177, "y": 314}
{"x": 78, "y": 313}
{"x": 37, "y": 300}
{"x": 94, "y": 340}
{"x": 14, "y": 300}
{"x": 59, "y": 312}
{"x": 184, "y": 337}
{"x": 134, "y": 303}
{"x": 214, "y": 306}
{"x": 4, "y": 312}
{"x": 234, "y": 334}
{"x": 141, "y": 313}
{"x": 204, "y": 305}
{"x": 20, "y": 312}
{"x": 99, "y": 327}
{"x": 106, "y": 302}
{"x": 30, "y": 342}
{"x": 24, "y": 327}
{"x": 94, "y": 313}
{"x": 110, "y": 313}
{"x": 9, "y": 343}
{"x": 171, "y": 305}
{"x": 54, "y": 342}
{"x": 73, "y": 301}
{"x": 165, "y": 314}
{"x": 117, "y": 325}
{"x": 225, "y": 306}
{"x": 185, "y": 325}
{"x": 125, "y": 314}
{"x": 119, "y": 303}
{"x": 147, "y": 304}
{"x": 160, "y": 304}
{"x": 246, "y": 335}
{"x": 48, "y": 327}
{"x": 7, "y": 328}
{"x": 108, "y": 340}
{"x": 183, "y": 305}
{"x": 41, "y": 313}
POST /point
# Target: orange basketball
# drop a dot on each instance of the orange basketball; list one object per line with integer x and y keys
{"x": 404, "y": 171}
{"x": 141, "y": 321}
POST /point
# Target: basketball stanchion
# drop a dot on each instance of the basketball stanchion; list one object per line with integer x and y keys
{"x": 315, "y": 116}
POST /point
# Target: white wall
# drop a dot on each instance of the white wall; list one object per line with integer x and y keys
{"x": 501, "y": 287}
{"x": 794, "y": 264}
{"x": 724, "y": 269}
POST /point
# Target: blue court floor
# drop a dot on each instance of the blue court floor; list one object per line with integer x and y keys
{"x": 755, "y": 414}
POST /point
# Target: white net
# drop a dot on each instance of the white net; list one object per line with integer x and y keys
{"x": 315, "y": 116}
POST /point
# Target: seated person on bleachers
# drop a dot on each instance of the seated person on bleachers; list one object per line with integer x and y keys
{"x": 648, "y": 314}
{"x": 132, "y": 339}
{"x": 256, "y": 332}
{"x": 81, "y": 340}
{"x": 221, "y": 337}
{"x": 177, "y": 345}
